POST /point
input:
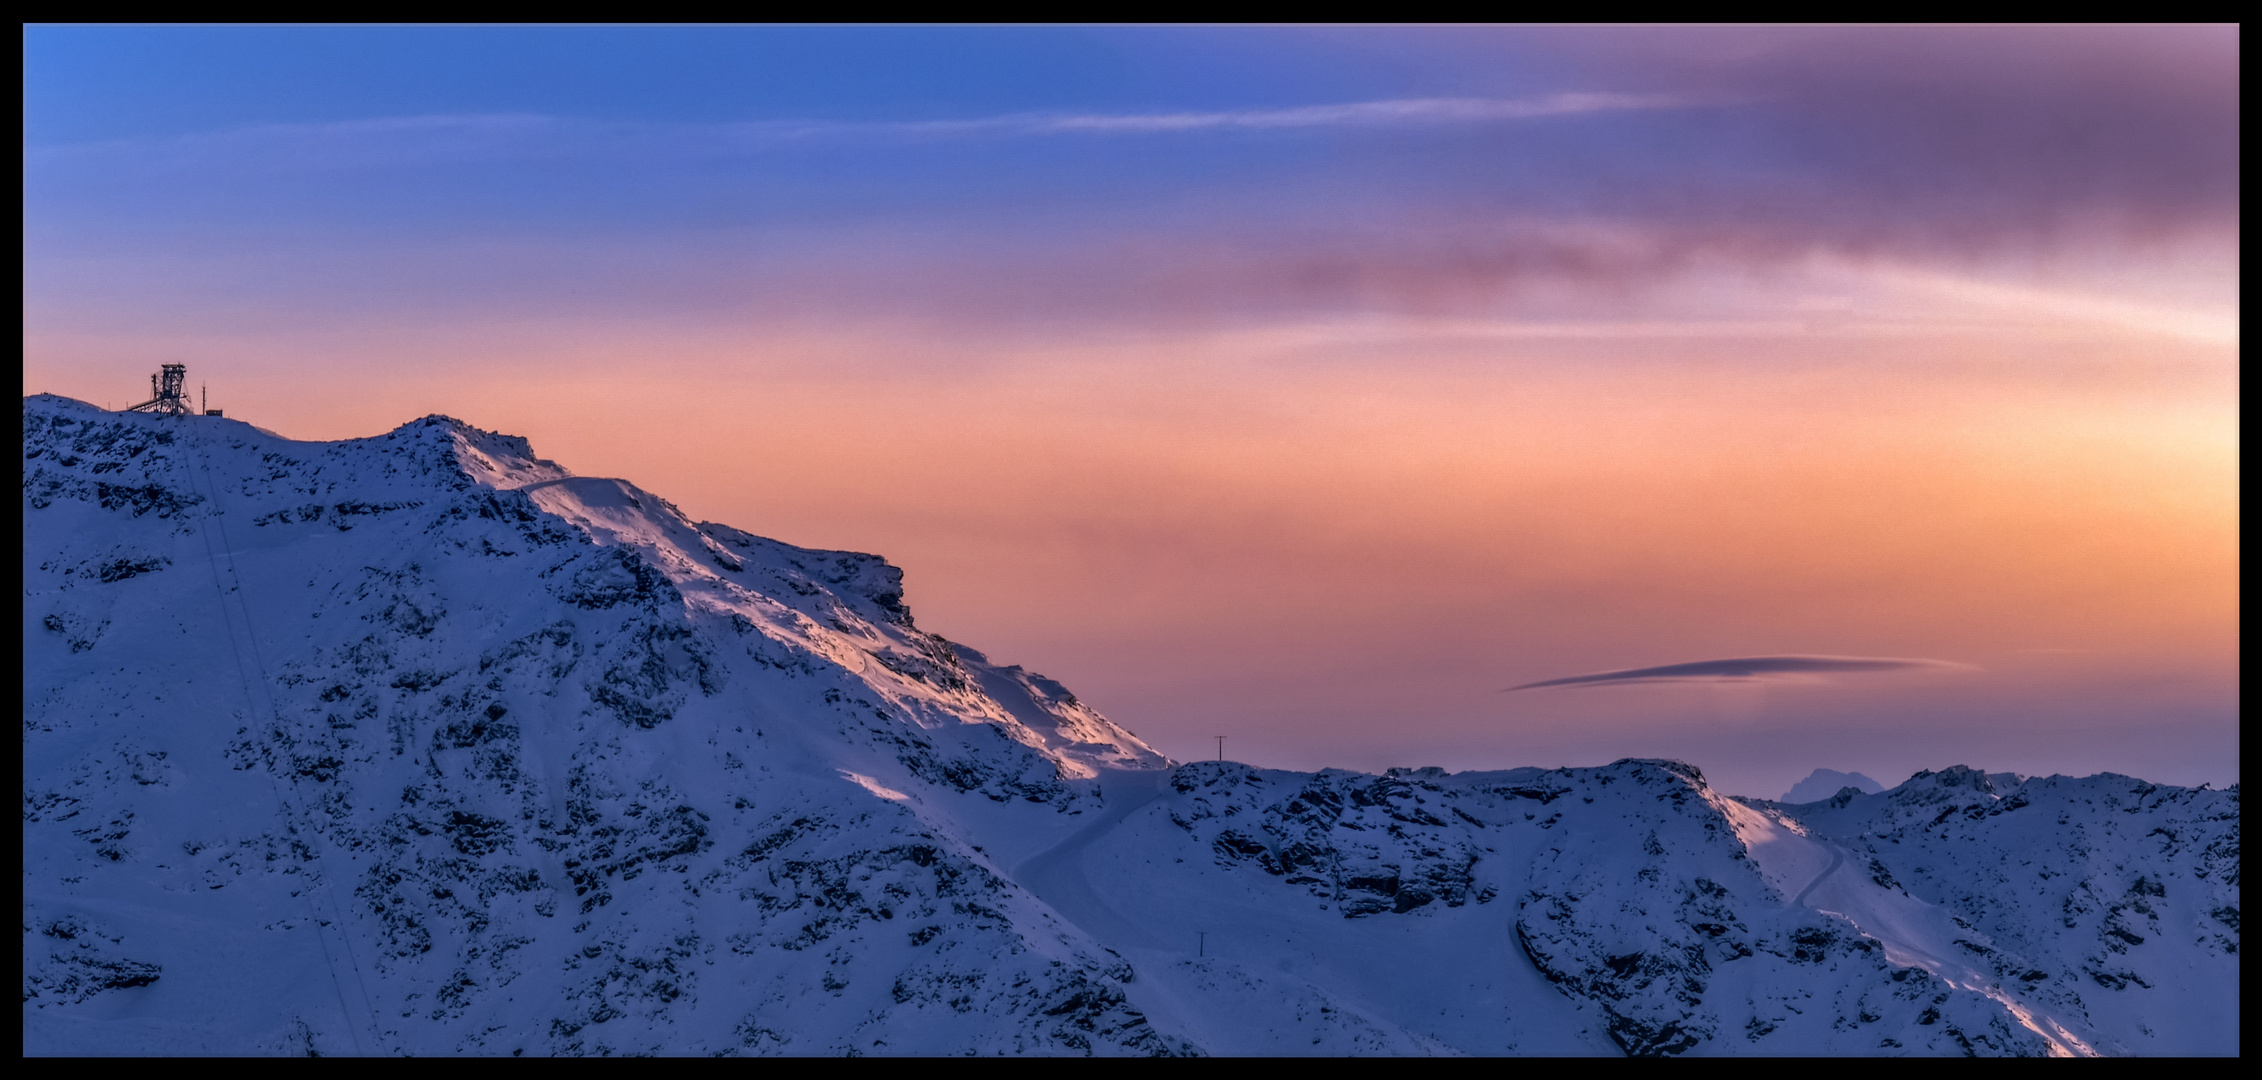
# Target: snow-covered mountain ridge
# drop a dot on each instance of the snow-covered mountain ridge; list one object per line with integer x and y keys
{"x": 421, "y": 744}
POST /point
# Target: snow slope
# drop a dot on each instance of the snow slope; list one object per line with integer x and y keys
{"x": 421, "y": 744}
{"x": 2105, "y": 902}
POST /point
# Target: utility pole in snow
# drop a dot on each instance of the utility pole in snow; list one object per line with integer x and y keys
{"x": 1221, "y": 748}
{"x": 1201, "y": 943}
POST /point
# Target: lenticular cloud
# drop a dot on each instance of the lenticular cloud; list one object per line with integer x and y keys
{"x": 1746, "y": 667}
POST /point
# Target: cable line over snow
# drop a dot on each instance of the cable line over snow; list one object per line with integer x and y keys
{"x": 263, "y": 703}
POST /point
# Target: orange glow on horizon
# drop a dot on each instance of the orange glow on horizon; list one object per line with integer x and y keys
{"x": 1444, "y": 516}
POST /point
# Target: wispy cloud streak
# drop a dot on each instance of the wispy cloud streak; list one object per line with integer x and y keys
{"x": 1403, "y": 111}
{"x": 1745, "y": 668}
{"x": 512, "y": 129}
{"x": 2216, "y": 328}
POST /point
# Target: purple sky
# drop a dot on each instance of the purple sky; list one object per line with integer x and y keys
{"x": 1305, "y": 386}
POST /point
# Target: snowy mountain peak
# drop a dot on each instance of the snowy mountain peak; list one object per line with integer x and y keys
{"x": 1828, "y": 783}
{"x": 422, "y": 744}
{"x": 1956, "y": 777}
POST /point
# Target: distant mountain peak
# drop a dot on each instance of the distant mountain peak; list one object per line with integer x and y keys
{"x": 1824, "y": 783}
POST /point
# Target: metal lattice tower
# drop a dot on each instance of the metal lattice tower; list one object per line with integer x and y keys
{"x": 170, "y": 384}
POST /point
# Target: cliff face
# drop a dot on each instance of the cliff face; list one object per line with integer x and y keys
{"x": 421, "y": 744}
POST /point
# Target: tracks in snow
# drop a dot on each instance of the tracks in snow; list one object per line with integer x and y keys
{"x": 1057, "y": 876}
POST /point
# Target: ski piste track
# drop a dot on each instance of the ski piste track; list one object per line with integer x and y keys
{"x": 1837, "y": 859}
{"x": 1057, "y": 875}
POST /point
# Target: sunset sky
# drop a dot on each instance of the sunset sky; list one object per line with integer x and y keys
{"x": 1306, "y": 386}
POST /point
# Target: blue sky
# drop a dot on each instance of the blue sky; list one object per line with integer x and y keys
{"x": 86, "y": 83}
{"x": 1366, "y": 167}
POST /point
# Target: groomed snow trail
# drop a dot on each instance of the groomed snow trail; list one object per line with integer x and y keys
{"x": 1057, "y": 876}
{"x": 1837, "y": 859}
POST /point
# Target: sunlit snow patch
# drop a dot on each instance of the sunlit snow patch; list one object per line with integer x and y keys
{"x": 875, "y": 787}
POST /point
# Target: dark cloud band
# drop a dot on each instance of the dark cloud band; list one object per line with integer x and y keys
{"x": 1746, "y": 667}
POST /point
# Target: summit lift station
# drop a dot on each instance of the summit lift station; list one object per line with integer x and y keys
{"x": 170, "y": 387}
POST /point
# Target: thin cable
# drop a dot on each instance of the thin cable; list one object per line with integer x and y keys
{"x": 282, "y": 800}
{"x": 251, "y": 635}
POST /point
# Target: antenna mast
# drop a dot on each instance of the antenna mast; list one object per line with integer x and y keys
{"x": 170, "y": 387}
